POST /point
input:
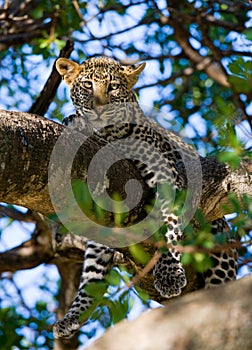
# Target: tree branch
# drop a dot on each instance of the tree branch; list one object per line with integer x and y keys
{"x": 27, "y": 142}
{"x": 15, "y": 214}
{"x": 219, "y": 181}
{"x": 182, "y": 37}
{"x": 48, "y": 92}
{"x": 18, "y": 26}
{"x": 29, "y": 254}
{"x": 200, "y": 320}
{"x": 202, "y": 63}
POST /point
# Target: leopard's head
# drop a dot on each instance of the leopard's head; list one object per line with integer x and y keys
{"x": 98, "y": 83}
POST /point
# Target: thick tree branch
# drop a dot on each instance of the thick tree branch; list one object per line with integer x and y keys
{"x": 27, "y": 142}
{"x": 219, "y": 319}
{"x": 219, "y": 181}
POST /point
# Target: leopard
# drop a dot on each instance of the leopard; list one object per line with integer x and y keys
{"x": 101, "y": 90}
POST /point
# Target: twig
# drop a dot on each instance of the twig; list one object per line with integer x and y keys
{"x": 15, "y": 214}
{"x": 218, "y": 248}
{"x": 145, "y": 270}
{"x": 48, "y": 92}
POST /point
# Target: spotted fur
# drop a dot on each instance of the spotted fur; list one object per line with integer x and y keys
{"x": 224, "y": 262}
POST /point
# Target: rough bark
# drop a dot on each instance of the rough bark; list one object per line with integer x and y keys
{"x": 219, "y": 181}
{"x": 218, "y": 319}
{"x": 26, "y": 144}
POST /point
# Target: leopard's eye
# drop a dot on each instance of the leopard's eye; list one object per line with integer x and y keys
{"x": 87, "y": 84}
{"x": 114, "y": 86}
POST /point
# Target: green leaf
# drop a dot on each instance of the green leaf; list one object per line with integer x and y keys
{"x": 231, "y": 158}
{"x": 113, "y": 278}
{"x": 139, "y": 254}
{"x": 186, "y": 258}
{"x": 248, "y": 33}
{"x": 142, "y": 294}
{"x": 201, "y": 261}
{"x": 96, "y": 289}
{"x": 241, "y": 85}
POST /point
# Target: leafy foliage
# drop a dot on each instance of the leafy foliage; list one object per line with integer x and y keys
{"x": 23, "y": 327}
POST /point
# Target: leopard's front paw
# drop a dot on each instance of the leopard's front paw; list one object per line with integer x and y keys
{"x": 66, "y": 327}
{"x": 169, "y": 277}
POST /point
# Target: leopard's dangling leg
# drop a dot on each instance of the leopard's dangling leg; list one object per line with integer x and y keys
{"x": 97, "y": 261}
{"x": 169, "y": 273}
{"x": 225, "y": 262}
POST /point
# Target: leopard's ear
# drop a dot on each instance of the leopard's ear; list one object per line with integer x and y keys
{"x": 132, "y": 73}
{"x": 68, "y": 69}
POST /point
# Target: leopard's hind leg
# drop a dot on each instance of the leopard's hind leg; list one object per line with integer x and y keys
{"x": 225, "y": 262}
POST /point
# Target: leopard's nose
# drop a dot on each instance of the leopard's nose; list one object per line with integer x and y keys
{"x": 100, "y": 100}
{"x": 100, "y": 95}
